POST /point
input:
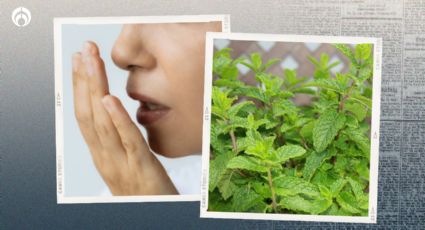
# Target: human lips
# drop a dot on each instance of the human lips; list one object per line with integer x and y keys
{"x": 150, "y": 110}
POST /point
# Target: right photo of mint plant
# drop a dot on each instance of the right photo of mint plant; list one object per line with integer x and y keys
{"x": 287, "y": 143}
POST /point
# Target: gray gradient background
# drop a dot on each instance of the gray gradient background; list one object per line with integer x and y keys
{"x": 27, "y": 120}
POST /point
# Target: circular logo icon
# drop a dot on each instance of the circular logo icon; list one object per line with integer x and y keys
{"x": 21, "y": 16}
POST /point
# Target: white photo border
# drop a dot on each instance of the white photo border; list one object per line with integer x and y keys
{"x": 374, "y": 157}
{"x": 58, "y": 64}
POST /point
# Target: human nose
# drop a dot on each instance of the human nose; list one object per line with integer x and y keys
{"x": 130, "y": 49}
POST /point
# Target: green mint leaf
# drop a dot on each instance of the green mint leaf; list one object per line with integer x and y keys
{"x": 252, "y": 92}
{"x": 233, "y": 111}
{"x": 221, "y": 102}
{"x": 348, "y": 52}
{"x": 289, "y": 185}
{"x": 365, "y": 74}
{"x": 362, "y": 141}
{"x": 247, "y": 163}
{"x": 243, "y": 143}
{"x": 337, "y": 186}
{"x": 332, "y": 211}
{"x": 249, "y": 65}
{"x": 245, "y": 198}
{"x": 216, "y": 143}
{"x": 351, "y": 122}
{"x": 361, "y": 99}
{"x": 229, "y": 83}
{"x": 216, "y": 202}
{"x": 262, "y": 189}
{"x": 298, "y": 123}
{"x": 357, "y": 188}
{"x": 364, "y": 204}
{"x": 291, "y": 78}
{"x": 297, "y": 203}
{"x": 362, "y": 169}
{"x": 314, "y": 61}
{"x": 333, "y": 64}
{"x": 301, "y": 90}
{"x": 287, "y": 152}
{"x": 326, "y": 166}
{"x": 284, "y": 107}
{"x": 271, "y": 124}
{"x": 348, "y": 202}
{"x": 256, "y": 61}
{"x": 313, "y": 162}
{"x": 233, "y": 123}
{"x": 253, "y": 124}
{"x": 342, "y": 79}
{"x": 218, "y": 168}
{"x": 262, "y": 148}
{"x": 342, "y": 162}
{"x": 307, "y": 131}
{"x": 271, "y": 84}
{"x": 224, "y": 66}
{"x": 328, "y": 84}
{"x": 324, "y": 60}
{"x": 226, "y": 186}
{"x": 324, "y": 191}
{"x": 363, "y": 51}
{"x": 270, "y": 62}
{"x": 326, "y": 129}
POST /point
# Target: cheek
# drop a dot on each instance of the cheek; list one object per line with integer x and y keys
{"x": 185, "y": 74}
{"x": 189, "y": 94}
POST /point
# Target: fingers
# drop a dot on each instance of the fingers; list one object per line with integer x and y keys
{"x": 131, "y": 138}
{"x": 98, "y": 88}
{"x": 82, "y": 104}
{"x": 95, "y": 69}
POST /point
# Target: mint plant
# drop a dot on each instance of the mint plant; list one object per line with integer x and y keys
{"x": 270, "y": 155}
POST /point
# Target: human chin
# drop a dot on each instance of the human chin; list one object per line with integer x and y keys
{"x": 178, "y": 134}
{"x": 171, "y": 141}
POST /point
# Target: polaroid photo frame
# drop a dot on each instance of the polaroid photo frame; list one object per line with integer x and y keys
{"x": 66, "y": 127}
{"x": 289, "y": 204}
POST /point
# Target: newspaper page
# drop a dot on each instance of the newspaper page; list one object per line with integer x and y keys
{"x": 401, "y": 25}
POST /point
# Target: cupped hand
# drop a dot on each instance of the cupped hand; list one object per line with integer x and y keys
{"x": 118, "y": 149}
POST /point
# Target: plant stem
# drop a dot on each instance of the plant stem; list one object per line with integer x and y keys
{"x": 233, "y": 137}
{"x": 303, "y": 141}
{"x": 279, "y": 136}
{"x": 346, "y": 96}
{"x": 240, "y": 172}
{"x": 270, "y": 179}
{"x": 342, "y": 102}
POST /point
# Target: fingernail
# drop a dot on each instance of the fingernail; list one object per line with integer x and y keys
{"x": 89, "y": 66}
{"x": 89, "y": 47}
{"x": 86, "y": 49}
{"x": 75, "y": 62}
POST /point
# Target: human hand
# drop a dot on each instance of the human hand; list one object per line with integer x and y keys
{"x": 118, "y": 149}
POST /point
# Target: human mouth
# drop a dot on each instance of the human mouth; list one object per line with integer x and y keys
{"x": 150, "y": 110}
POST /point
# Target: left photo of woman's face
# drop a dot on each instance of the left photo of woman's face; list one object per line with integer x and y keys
{"x": 132, "y": 107}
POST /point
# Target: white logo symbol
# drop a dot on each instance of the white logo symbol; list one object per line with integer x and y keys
{"x": 21, "y": 16}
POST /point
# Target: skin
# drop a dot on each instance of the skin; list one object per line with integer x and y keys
{"x": 165, "y": 62}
